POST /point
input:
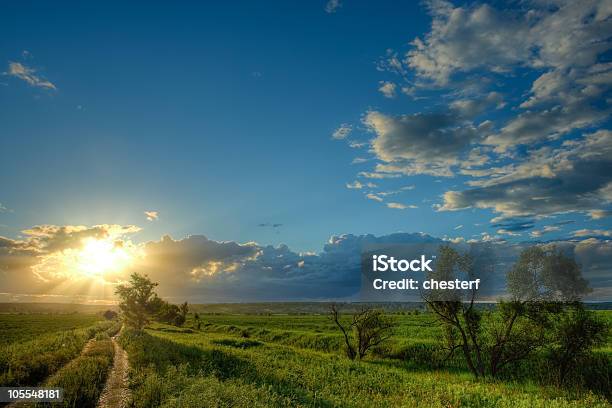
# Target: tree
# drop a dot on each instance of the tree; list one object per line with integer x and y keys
{"x": 543, "y": 284}
{"x": 110, "y": 315}
{"x": 182, "y": 317}
{"x": 546, "y": 275}
{"x": 577, "y": 331}
{"x": 135, "y": 298}
{"x": 456, "y": 310}
{"x": 196, "y": 318}
{"x": 370, "y": 328}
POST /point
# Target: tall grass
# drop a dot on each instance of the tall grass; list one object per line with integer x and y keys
{"x": 29, "y": 363}
{"x": 84, "y": 377}
{"x": 200, "y": 369}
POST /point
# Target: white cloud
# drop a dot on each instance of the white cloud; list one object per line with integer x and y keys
{"x": 342, "y": 132}
{"x": 388, "y": 89}
{"x": 375, "y": 175}
{"x": 374, "y": 197}
{"x": 359, "y": 185}
{"x": 547, "y": 229}
{"x": 332, "y": 6}
{"x": 503, "y": 231}
{"x": 463, "y": 39}
{"x": 152, "y": 215}
{"x": 400, "y": 206}
{"x": 592, "y": 232}
{"x": 599, "y": 214}
{"x": 29, "y": 75}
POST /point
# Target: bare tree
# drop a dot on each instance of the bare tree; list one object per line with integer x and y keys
{"x": 368, "y": 328}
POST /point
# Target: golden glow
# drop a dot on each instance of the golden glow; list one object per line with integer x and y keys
{"x": 105, "y": 259}
{"x": 100, "y": 256}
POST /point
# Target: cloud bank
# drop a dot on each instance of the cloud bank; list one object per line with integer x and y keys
{"x": 199, "y": 269}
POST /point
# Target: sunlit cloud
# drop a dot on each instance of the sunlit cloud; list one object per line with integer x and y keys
{"x": 152, "y": 215}
{"x": 388, "y": 89}
{"x": 400, "y": 206}
{"x": 358, "y": 185}
{"x": 25, "y": 73}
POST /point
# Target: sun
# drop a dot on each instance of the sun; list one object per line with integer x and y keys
{"x": 100, "y": 256}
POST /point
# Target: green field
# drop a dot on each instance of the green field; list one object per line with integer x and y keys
{"x": 296, "y": 360}
{"x": 70, "y": 351}
{"x": 239, "y": 360}
{"x": 23, "y": 327}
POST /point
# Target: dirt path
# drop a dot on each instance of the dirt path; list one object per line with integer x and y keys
{"x": 116, "y": 393}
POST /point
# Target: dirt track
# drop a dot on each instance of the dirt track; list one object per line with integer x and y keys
{"x": 116, "y": 393}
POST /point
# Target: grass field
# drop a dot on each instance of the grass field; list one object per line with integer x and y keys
{"x": 296, "y": 360}
{"x": 24, "y": 327}
{"x": 238, "y": 360}
{"x": 42, "y": 344}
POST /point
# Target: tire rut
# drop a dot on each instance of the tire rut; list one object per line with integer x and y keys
{"x": 116, "y": 393}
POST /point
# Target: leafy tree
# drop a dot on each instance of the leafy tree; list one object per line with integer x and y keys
{"x": 543, "y": 285}
{"x": 135, "y": 297}
{"x": 542, "y": 275}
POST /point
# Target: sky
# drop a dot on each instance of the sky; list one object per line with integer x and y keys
{"x": 262, "y": 143}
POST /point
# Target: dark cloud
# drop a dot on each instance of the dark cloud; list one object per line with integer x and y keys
{"x": 421, "y": 143}
{"x": 578, "y": 178}
{"x": 514, "y": 225}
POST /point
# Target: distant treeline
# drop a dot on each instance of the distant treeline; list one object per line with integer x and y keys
{"x": 262, "y": 308}
{"x": 54, "y": 308}
{"x": 322, "y": 308}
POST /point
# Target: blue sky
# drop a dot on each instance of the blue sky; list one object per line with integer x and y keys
{"x": 290, "y": 123}
{"x": 218, "y": 116}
